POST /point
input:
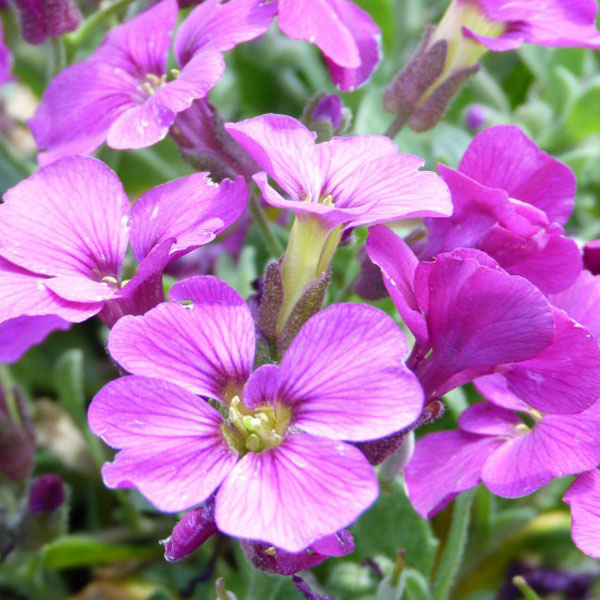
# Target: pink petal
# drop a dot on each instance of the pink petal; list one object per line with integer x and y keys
{"x": 494, "y": 388}
{"x": 584, "y": 499}
{"x": 146, "y": 124}
{"x": 444, "y": 465}
{"x": 172, "y": 447}
{"x": 398, "y": 264}
{"x": 478, "y": 317}
{"x": 220, "y": 26}
{"x": 367, "y": 394}
{"x": 484, "y": 418}
{"x": 285, "y": 149}
{"x": 78, "y": 108}
{"x": 191, "y": 209}
{"x": 318, "y": 22}
{"x": 301, "y": 491}
{"x": 19, "y": 334}
{"x": 207, "y": 346}
{"x": 367, "y": 38}
{"x": 25, "y": 293}
{"x": 68, "y": 218}
{"x": 564, "y": 378}
{"x": 581, "y": 302}
{"x": 504, "y": 157}
{"x": 556, "y": 446}
{"x": 141, "y": 45}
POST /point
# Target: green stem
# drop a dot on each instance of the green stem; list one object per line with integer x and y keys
{"x": 397, "y": 124}
{"x": 58, "y": 57}
{"x": 75, "y": 39}
{"x": 524, "y": 588}
{"x": 273, "y": 244}
{"x": 454, "y": 548}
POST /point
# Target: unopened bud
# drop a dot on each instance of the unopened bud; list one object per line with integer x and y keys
{"x": 369, "y": 283}
{"x": 194, "y": 528}
{"x": 327, "y": 116}
{"x": 475, "y": 117}
{"x": 45, "y": 516}
{"x": 591, "y": 257}
{"x": 394, "y": 464}
{"x": 43, "y": 19}
{"x": 222, "y": 592}
{"x": 271, "y": 301}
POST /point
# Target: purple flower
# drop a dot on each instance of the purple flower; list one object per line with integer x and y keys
{"x": 123, "y": 94}
{"x": 64, "y": 232}
{"x": 347, "y": 182}
{"x": 502, "y": 25}
{"x": 495, "y": 446}
{"x": 511, "y": 200}
{"x": 269, "y": 442}
{"x": 42, "y": 19}
{"x": 471, "y": 318}
{"x": 274, "y": 560}
{"x": 333, "y": 186}
{"x": 345, "y": 34}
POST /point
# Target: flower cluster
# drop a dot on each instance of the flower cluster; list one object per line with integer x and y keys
{"x": 265, "y": 418}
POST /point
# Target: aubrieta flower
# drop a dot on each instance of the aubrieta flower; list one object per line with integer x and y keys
{"x": 269, "y": 441}
{"x": 471, "y": 318}
{"x": 43, "y": 19}
{"x": 345, "y": 182}
{"x": 124, "y": 94}
{"x": 511, "y": 448}
{"x": 511, "y": 200}
{"x": 65, "y": 231}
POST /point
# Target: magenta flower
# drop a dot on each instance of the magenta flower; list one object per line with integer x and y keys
{"x": 502, "y": 25}
{"x": 471, "y": 318}
{"x": 511, "y": 200}
{"x": 270, "y": 441}
{"x": 347, "y": 182}
{"x": 64, "y": 232}
{"x": 344, "y": 32}
{"x": 42, "y": 19}
{"x": 495, "y": 446}
{"x": 124, "y": 94}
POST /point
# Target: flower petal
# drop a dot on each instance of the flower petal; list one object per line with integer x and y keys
{"x": 504, "y": 157}
{"x": 19, "y": 334}
{"x": 444, "y": 465}
{"x": 556, "y": 446}
{"x": 301, "y": 491}
{"x": 345, "y": 377}
{"x": 207, "y": 346}
{"x": 172, "y": 447}
{"x": 191, "y": 209}
{"x": 68, "y": 218}
{"x": 220, "y": 26}
{"x": 584, "y": 499}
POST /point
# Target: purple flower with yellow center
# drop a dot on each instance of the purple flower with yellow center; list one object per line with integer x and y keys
{"x": 343, "y": 183}
{"x": 65, "y": 231}
{"x": 513, "y": 449}
{"x": 511, "y": 200}
{"x": 125, "y": 95}
{"x": 471, "y": 318}
{"x": 194, "y": 418}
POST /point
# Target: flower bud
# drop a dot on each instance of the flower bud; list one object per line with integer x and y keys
{"x": 194, "y": 528}
{"x": 394, "y": 464}
{"x": 17, "y": 440}
{"x": 271, "y": 301}
{"x": 44, "y": 518}
{"x": 42, "y": 19}
{"x": 591, "y": 257}
{"x": 476, "y": 116}
{"x": 277, "y": 561}
{"x": 327, "y": 116}
{"x": 303, "y": 587}
{"x": 369, "y": 283}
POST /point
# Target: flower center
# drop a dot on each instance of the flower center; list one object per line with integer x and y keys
{"x": 255, "y": 430}
{"x": 154, "y": 82}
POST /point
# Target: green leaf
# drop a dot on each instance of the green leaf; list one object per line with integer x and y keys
{"x": 81, "y": 551}
{"x": 583, "y": 118}
{"x": 68, "y": 375}
{"x": 391, "y": 525}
